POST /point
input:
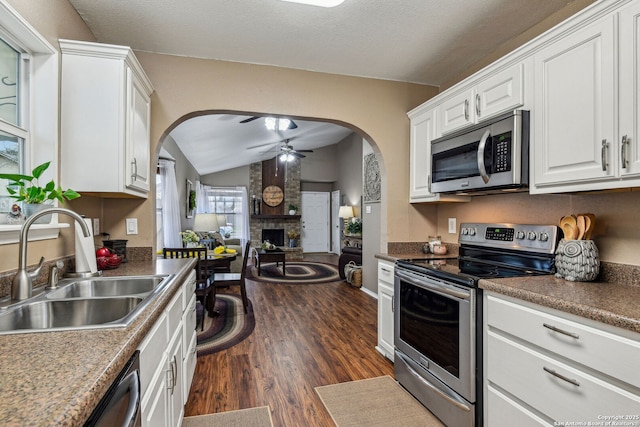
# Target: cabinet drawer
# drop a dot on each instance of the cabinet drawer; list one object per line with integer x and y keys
{"x": 525, "y": 374}
{"x": 189, "y": 288}
{"x": 174, "y": 314}
{"x": 385, "y": 272}
{"x": 189, "y": 322}
{"x": 600, "y": 350}
{"x": 152, "y": 350}
{"x": 503, "y": 411}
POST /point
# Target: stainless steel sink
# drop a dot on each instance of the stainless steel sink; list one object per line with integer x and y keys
{"x": 108, "y": 287}
{"x": 97, "y": 303}
{"x": 68, "y": 314}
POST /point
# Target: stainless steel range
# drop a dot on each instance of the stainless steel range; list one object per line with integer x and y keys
{"x": 437, "y": 309}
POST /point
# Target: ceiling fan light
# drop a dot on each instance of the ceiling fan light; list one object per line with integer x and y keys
{"x": 283, "y": 157}
{"x": 321, "y": 3}
{"x": 270, "y": 123}
{"x": 283, "y": 124}
{"x": 290, "y": 157}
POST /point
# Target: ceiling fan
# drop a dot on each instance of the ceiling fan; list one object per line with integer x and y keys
{"x": 274, "y": 123}
{"x": 288, "y": 153}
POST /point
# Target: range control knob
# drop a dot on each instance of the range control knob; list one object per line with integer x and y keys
{"x": 519, "y": 235}
{"x": 543, "y": 237}
{"x": 464, "y": 231}
{"x": 531, "y": 235}
{"x": 472, "y": 232}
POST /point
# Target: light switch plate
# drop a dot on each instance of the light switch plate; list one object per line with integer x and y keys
{"x": 452, "y": 226}
{"x": 132, "y": 225}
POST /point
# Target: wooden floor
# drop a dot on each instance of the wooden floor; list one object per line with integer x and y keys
{"x": 305, "y": 336}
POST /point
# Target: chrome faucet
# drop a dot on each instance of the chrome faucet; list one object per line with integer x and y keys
{"x": 22, "y": 286}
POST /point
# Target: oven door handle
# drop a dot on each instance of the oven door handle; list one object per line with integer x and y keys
{"x": 433, "y": 286}
{"x": 433, "y": 388}
{"x": 481, "y": 147}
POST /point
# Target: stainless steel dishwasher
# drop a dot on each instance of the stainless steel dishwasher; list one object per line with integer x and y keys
{"x": 120, "y": 406}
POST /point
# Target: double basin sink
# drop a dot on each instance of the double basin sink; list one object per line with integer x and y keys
{"x": 93, "y": 303}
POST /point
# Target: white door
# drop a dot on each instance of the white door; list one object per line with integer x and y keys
{"x": 315, "y": 221}
{"x": 335, "y": 222}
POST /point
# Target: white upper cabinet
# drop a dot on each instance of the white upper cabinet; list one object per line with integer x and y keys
{"x": 423, "y": 131}
{"x": 629, "y": 90}
{"x": 105, "y": 115}
{"x": 491, "y": 95}
{"x": 586, "y": 104}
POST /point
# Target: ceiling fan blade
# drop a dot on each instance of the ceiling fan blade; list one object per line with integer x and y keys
{"x": 250, "y": 119}
{"x": 292, "y": 125}
{"x": 304, "y": 151}
{"x": 298, "y": 155}
{"x": 261, "y": 145}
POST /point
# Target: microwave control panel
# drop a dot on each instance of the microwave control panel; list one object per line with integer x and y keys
{"x": 502, "y": 152}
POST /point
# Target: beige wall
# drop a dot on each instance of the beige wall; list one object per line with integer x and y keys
{"x": 375, "y": 108}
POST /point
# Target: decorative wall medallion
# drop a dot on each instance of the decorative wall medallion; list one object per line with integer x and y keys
{"x": 371, "y": 180}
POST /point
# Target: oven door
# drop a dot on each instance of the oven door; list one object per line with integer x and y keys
{"x": 435, "y": 326}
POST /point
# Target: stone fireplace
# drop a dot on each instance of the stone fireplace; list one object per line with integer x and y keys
{"x": 272, "y": 219}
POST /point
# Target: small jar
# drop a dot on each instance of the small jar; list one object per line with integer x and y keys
{"x": 433, "y": 241}
{"x": 439, "y": 249}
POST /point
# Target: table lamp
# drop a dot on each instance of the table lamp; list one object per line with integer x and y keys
{"x": 345, "y": 212}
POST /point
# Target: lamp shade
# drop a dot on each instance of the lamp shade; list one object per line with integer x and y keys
{"x": 345, "y": 212}
{"x": 206, "y": 222}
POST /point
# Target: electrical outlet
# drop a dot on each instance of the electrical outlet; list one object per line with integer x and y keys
{"x": 453, "y": 229}
{"x": 96, "y": 226}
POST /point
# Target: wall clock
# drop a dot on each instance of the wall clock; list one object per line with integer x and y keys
{"x": 272, "y": 195}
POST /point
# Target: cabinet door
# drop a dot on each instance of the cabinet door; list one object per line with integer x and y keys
{"x": 175, "y": 382}
{"x": 422, "y": 132}
{"x": 500, "y": 93}
{"x": 629, "y": 90}
{"x": 457, "y": 112}
{"x": 155, "y": 409}
{"x": 137, "y": 142}
{"x": 573, "y": 118}
{"x": 385, "y": 308}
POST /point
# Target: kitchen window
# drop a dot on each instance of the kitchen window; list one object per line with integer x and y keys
{"x": 232, "y": 204}
{"x": 29, "y": 105}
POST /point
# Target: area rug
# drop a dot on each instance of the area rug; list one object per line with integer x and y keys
{"x": 226, "y": 329}
{"x": 374, "y": 402}
{"x": 298, "y": 272}
{"x": 251, "y": 417}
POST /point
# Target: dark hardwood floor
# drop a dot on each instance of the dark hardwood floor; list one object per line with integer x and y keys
{"x": 305, "y": 336}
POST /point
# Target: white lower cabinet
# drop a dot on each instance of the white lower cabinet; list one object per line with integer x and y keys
{"x": 385, "y": 308}
{"x": 166, "y": 364}
{"x": 543, "y": 367}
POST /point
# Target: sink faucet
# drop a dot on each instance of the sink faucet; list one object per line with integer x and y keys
{"x": 22, "y": 287}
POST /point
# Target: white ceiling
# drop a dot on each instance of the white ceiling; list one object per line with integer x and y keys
{"x": 421, "y": 41}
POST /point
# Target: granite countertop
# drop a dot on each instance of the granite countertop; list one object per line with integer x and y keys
{"x": 57, "y": 378}
{"x": 607, "y": 302}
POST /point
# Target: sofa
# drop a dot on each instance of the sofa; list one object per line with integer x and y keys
{"x": 349, "y": 254}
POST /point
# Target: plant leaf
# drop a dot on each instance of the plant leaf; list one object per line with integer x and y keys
{"x": 37, "y": 171}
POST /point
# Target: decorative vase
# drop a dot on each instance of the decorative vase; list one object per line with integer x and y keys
{"x": 293, "y": 243}
{"x": 577, "y": 260}
{"x": 192, "y": 245}
{"x": 33, "y": 208}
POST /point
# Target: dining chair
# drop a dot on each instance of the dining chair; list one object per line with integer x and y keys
{"x": 223, "y": 280}
{"x": 205, "y": 289}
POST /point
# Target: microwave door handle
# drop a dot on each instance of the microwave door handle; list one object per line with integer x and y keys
{"x": 481, "y": 147}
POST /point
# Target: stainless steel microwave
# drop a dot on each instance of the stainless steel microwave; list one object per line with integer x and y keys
{"x": 490, "y": 156}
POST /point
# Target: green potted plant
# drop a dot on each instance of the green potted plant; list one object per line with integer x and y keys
{"x": 27, "y": 189}
{"x": 292, "y": 209}
{"x": 354, "y": 227}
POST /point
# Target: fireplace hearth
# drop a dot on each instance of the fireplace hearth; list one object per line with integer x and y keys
{"x": 273, "y": 235}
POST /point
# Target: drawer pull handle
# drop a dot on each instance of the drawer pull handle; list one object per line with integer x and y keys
{"x": 560, "y": 331}
{"x": 385, "y": 270}
{"x": 562, "y": 377}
